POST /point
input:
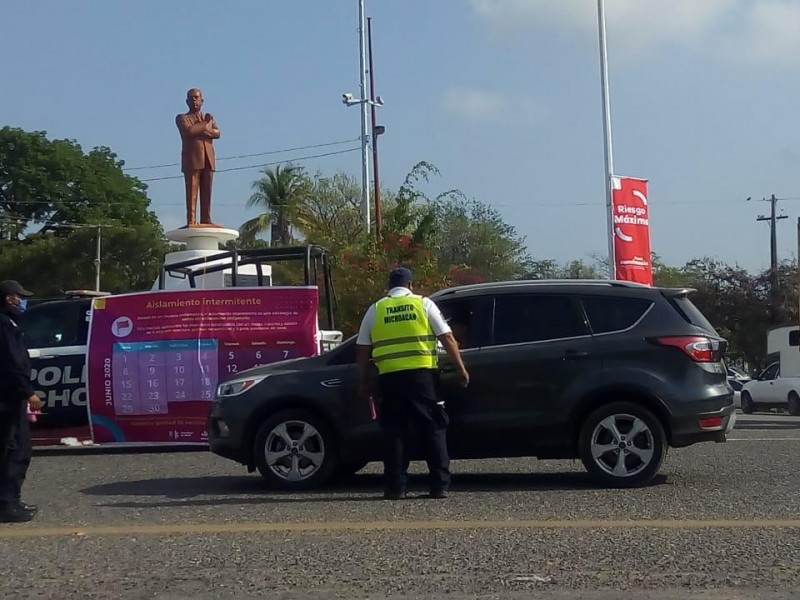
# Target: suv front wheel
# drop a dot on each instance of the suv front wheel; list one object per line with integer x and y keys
{"x": 622, "y": 444}
{"x": 295, "y": 450}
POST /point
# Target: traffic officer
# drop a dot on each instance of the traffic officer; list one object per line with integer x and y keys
{"x": 16, "y": 396}
{"x": 399, "y": 332}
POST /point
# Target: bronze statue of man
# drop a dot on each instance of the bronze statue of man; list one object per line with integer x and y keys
{"x": 197, "y": 157}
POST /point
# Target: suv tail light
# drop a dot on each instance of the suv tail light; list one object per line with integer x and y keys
{"x": 698, "y": 348}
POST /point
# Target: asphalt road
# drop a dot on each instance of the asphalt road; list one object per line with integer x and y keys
{"x": 722, "y": 521}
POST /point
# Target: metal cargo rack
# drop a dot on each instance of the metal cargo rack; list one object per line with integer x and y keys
{"x": 315, "y": 260}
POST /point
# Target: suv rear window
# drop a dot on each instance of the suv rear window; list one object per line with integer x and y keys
{"x": 610, "y": 313}
{"x": 691, "y": 313}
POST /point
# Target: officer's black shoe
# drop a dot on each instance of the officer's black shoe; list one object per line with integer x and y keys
{"x": 29, "y": 507}
{"x": 394, "y": 494}
{"x": 438, "y": 493}
{"x": 14, "y": 513}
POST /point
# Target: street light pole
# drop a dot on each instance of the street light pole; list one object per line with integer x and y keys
{"x": 362, "y": 42}
{"x": 609, "y": 153}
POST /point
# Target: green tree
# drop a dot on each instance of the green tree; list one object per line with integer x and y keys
{"x": 734, "y": 303}
{"x": 469, "y": 240}
{"x": 280, "y": 193}
{"x": 52, "y": 197}
{"x": 330, "y": 213}
{"x": 574, "y": 269}
{"x": 51, "y": 264}
{"x": 47, "y": 184}
{"x": 666, "y": 276}
{"x": 472, "y": 236}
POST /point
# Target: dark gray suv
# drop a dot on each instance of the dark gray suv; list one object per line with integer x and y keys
{"x": 609, "y": 372}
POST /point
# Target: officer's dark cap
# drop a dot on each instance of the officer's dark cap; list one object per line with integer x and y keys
{"x": 399, "y": 277}
{"x": 9, "y": 287}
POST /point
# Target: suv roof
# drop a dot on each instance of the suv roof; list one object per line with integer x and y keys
{"x": 539, "y": 283}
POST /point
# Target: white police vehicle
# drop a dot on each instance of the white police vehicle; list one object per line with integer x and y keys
{"x": 57, "y": 330}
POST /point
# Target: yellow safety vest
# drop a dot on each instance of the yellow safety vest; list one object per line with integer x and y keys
{"x": 402, "y": 338}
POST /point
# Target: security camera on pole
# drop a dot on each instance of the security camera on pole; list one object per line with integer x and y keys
{"x": 364, "y": 101}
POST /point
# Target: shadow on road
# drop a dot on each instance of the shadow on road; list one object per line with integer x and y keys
{"x": 228, "y": 490}
{"x": 114, "y": 449}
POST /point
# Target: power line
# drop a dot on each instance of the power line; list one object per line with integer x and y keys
{"x": 269, "y": 164}
{"x": 521, "y": 204}
{"x": 249, "y": 155}
{"x": 600, "y": 205}
{"x": 493, "y": 205}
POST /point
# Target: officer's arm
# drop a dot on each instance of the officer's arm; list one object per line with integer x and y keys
{"x": 451, "y": 346}
{"x": 16, "y": 374}
{"x": 363, "y": 354}
{"x": 364, "y": 346}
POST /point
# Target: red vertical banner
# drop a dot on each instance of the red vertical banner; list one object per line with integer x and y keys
{"x": 631, "y": 230}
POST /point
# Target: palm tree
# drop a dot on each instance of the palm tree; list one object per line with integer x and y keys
{"x": 280, "y": 192}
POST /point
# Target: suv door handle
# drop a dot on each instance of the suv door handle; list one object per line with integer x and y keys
{"x": 574, "y": 354}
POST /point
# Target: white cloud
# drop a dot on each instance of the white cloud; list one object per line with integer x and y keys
{"x": 475, "y": 105}
{"x": 753, "y": 31}
{"x": 770, "y": 35}
{"x": 471, "y": 104}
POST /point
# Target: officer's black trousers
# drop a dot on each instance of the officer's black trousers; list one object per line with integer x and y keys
{"x": 409, "y": 398}
{"x": 15, "y": 455}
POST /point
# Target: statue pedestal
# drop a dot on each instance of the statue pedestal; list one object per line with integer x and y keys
{"x": 202, "y": 238}
{"x": 201, "y": 242}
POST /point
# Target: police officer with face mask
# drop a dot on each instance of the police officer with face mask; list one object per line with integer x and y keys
{"x": 16, "y": 396}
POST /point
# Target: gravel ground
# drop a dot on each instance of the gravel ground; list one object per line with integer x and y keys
{"x": 223, "y": 535}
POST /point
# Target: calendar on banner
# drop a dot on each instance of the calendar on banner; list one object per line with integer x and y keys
{"x": 155, "y": 359}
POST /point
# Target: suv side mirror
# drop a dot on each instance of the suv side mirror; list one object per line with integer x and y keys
{"x": 794, "y": 337}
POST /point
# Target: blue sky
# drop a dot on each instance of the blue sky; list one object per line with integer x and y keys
{"x": 503, "y": 96}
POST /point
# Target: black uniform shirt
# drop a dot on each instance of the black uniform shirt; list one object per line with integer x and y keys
{"x": 15, "y": 366}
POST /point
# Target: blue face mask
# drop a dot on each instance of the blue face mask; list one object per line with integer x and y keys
{"x": 22, "y": 305}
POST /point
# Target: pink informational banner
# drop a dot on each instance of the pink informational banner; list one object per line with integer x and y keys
{"x": 155, "y": 358}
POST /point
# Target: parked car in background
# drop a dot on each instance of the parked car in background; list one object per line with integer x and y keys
{"x": 737, "y": 386}
{"x": 737, "y": 379}
{"x": 734, "y": 373}
{"x": 771, "y": 391}
{"x": 612, "y": 373}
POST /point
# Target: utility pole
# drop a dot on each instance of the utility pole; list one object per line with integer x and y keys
{"x": 773, "y": 256}
{"x": 376, "y": 131}
{"x": 97, "y": 263}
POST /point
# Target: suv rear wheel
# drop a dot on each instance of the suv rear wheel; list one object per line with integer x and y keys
{"x": 622, "y": 444}
{"x": 295, "y": 450}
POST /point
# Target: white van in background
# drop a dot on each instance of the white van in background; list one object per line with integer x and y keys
{"x": 777, "y": 386}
